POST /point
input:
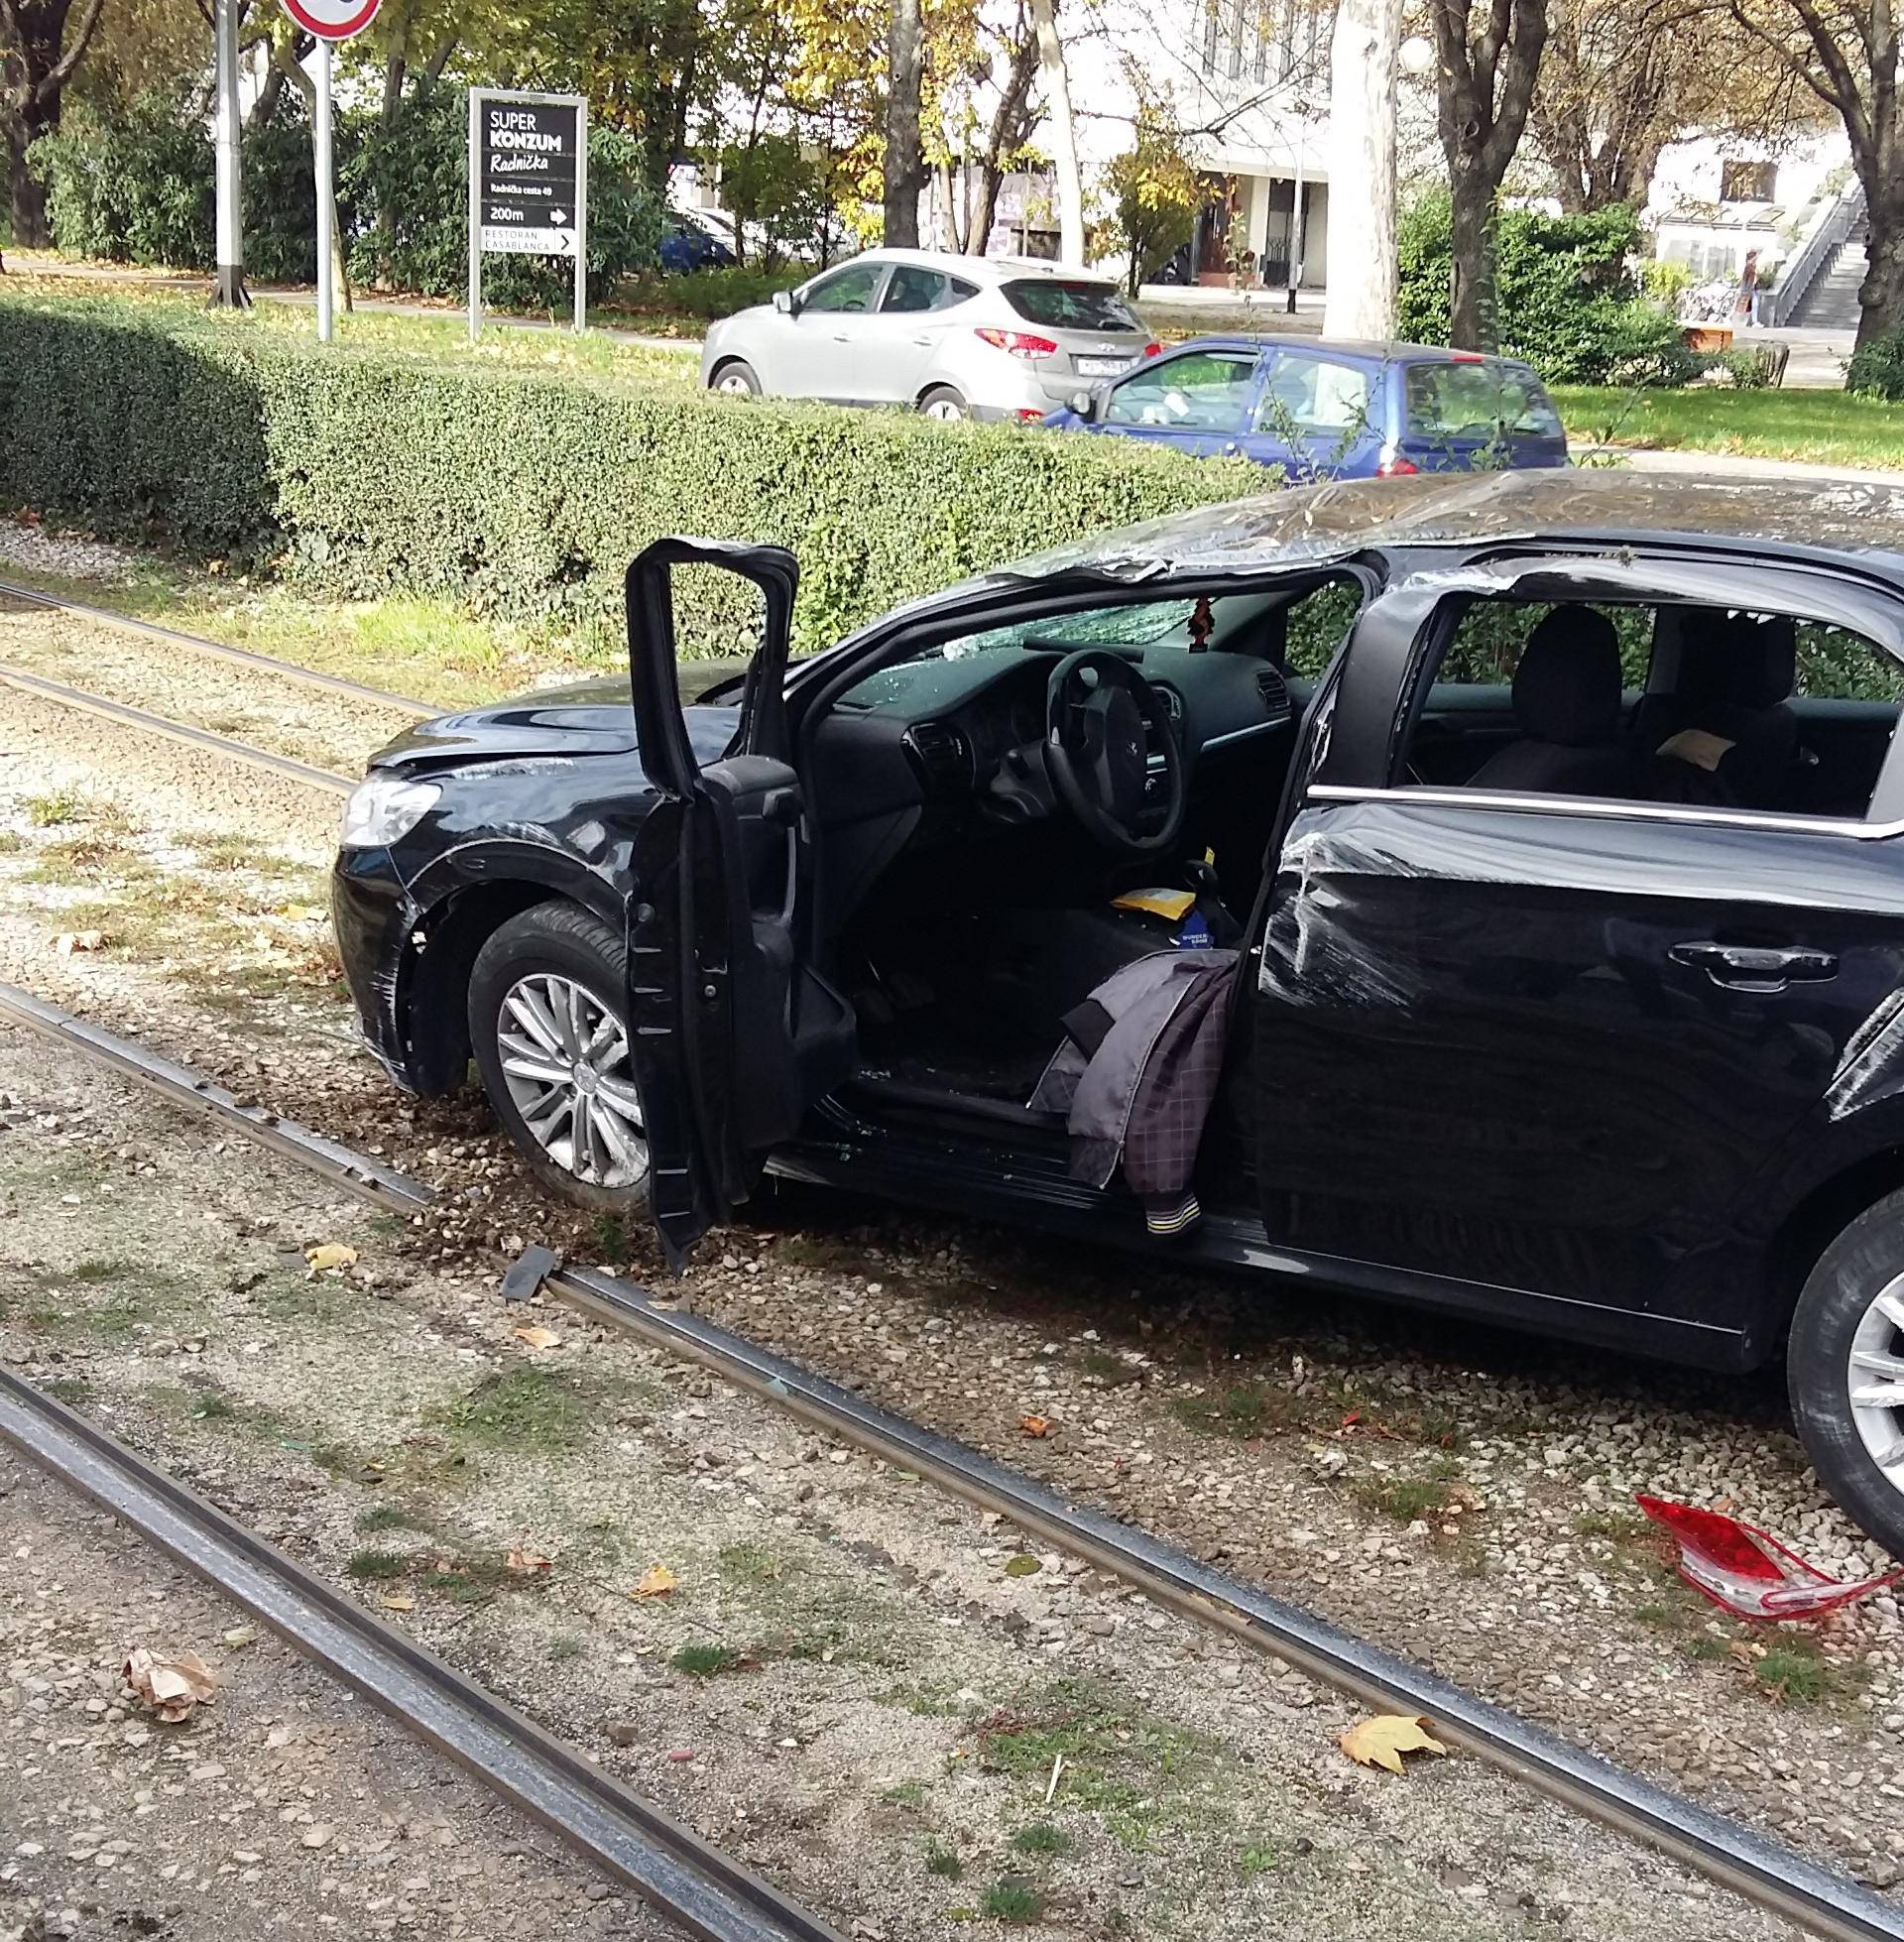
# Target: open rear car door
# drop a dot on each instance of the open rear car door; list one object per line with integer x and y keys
{"x": 733, "y": 1035}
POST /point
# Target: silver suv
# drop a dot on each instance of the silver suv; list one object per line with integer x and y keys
{"x": 956, "y": 336}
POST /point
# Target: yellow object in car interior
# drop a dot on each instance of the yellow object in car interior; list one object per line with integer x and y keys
{"x": 1171, "y": 904}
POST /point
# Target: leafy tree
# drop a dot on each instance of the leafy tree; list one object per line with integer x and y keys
{"x": 971, "y": 58}
{"x": 1621, "y": 79}
{"x": 1488, "y": 60}
{"x": 773, "y": 189}
{"x": 1155, "y": 194}
{"x": 1846, "y": 54}
{"x": 41, "y": 44}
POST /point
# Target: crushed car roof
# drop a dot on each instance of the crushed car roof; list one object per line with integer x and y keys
{"x": 1479, "y": 508}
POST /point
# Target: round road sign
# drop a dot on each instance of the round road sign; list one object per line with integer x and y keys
{"x": 332, "y": 20}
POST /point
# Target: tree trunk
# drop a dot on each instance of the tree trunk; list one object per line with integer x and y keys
{"x": 25, "y": 195}
{"x": 1880, "y": 296}
{"x": 1064, "y": 133}
{"x": 1362, "y": 60}
{"x": 396, "y": 71}
{"x": 905, "y": 62}
{"x": 1471, "y": 309}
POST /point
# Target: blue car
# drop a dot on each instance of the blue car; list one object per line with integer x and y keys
{"x": 1329, "y": 411}
{"x": 685, "y": 246}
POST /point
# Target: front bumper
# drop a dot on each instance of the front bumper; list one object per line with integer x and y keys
{"x": 372, "y": 915}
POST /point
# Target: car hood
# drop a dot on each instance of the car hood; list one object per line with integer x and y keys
{"x": 590, "y": 719}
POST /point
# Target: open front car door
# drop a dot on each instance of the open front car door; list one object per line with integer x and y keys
{"x": 733, "y": 1035}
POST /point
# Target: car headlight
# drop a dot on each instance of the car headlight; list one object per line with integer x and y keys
{"x": 385, "y": 807}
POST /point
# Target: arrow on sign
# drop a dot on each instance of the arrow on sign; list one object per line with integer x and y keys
{"x": 558, "y": 216}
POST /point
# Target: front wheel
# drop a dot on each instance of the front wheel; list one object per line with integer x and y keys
{"x": 1846, "y": 1368}
{"x": 734, "y": 378}
{"x": 549, "y": 1026}
{"x": 945, "y": 404}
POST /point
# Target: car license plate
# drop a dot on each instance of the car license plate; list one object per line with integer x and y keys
{"x": 1103, "y": 367}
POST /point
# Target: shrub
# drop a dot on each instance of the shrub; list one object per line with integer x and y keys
{"x": 137, "y": 192}
{"x": 408, "y": 188}
{"x": 522, "y": 494}
{"x": 1566, "y": 298}
{"x": 140, "y": 191}
{"x": 1877, "y": 368}
{"x": 715, "y": 293}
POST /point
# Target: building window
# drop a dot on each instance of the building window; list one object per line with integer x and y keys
{"x": 1210, "y": 29}
{"x": 1747, "y": 181}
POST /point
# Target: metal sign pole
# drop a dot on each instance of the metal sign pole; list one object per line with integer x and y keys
{"x": 581, "y": 217}
{"x": 326, "y": 209}
{"x": 477, "y": 96}
{"x": 229, "y": 287}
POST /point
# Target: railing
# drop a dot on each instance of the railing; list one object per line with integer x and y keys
{"x": 1813, "y": 257}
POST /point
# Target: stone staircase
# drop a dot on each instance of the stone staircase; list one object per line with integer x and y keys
{"x": 1831, "y": 302}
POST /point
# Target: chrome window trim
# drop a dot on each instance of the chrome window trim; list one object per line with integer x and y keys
{"x": 1594, "y": 805}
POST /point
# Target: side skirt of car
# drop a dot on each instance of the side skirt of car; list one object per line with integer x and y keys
{"x": 844, "y": 1150}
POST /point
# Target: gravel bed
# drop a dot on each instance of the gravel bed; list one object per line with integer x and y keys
{"x": 326, "y": 730}
{"x": 285, "y": 1806}
{"x": 1461, "y": 1495}
{"x": 843, "y": 1670}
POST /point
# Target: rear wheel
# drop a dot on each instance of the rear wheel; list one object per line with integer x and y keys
{"x": 736, "y": 378}
{"x": 945, "y": 404}
{"x": 548, "y": 1025}
{"x": 1845, "y": 1366}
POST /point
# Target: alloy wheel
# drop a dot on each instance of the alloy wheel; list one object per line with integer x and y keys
{"x": 1876, "y": 1378}
{"x": 948, "y": 410}
{"x": 734, "y": 386}
{"x": 565, "y": 1056}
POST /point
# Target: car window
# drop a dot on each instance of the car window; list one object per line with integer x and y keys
{"x": 850, "y": 289}
{"x": 1478, "y": 398}
{"x": 914, "y": 288}
{"x": 1706, "y": 706}
{"x": 1306, "y": 396}
{"x": 1201, "y": 391}
{"x": 1062, "y": 304}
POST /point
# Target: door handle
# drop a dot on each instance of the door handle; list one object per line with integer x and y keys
{"x": 924, "y": 343}
{"x": 1754, "y": 967}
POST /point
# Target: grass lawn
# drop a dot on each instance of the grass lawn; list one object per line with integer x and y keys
{"x": 1826, "y": 427}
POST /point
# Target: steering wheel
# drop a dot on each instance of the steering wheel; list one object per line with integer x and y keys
{"x": 1096, "y": 708}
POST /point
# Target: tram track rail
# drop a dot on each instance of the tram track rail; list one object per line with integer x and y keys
{"x": 1727, "y": 1852}
{"x": 707, "y": 1892}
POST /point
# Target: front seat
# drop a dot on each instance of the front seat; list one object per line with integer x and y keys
{"x": 1726, "y": 732}
{"x": 1567, "y": 706}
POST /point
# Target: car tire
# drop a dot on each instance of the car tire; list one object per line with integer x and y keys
{"x": 550, "y": 979}
{"x": 736, "y": 378}
{"x": 1853, "y": 1306}
{"x": 945, "y": 404}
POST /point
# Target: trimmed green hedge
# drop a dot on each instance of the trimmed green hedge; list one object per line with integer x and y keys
{"x": 366, "y": 473}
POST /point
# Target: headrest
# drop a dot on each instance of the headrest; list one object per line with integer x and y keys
{"x": 1736, "y": 661}
{"x": 1567, "y": 686}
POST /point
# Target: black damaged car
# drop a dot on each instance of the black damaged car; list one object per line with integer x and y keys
{"x": 1545, "y": 833}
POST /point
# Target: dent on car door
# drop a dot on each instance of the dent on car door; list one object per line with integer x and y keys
{"x": 734, "y": 1035}
{"x": 1555, "y": 1045}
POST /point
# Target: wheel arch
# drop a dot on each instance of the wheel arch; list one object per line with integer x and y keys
{"x": 484, "y": 893}
{"x": 1814, "y": 1222}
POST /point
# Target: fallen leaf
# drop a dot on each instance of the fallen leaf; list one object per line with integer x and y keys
{"x": 1021, "y": 1566}
{"x": 70, "y": 941}
{"x": 1381, "y": 1740}
{"x": 537, "y": 1337}
{"x": 242, "y": 1634}
{"x": 303, "y": 912}
{"x": 1742, "y": 1653}
{"x": 1036, "y": 1425}
{"x": 400, "y": 1602}
{"x": 332, "y": 1255}
{"x": 658, "y": 1583}
{"x": 171, "y": 1683}
{"x": 525, "y": 1563}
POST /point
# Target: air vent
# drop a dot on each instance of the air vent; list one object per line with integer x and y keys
{"x": 942, "y": 753}
{"x": 1275, "y": 695}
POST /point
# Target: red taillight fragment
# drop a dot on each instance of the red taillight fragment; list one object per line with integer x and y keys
{"x": 1394, "y": 467}
{"x": 1031, "y": 413}
{"x": 1021, "y": 343}
{"x": 1747, "y": 1570}
{"x": 1153, "y": 348}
